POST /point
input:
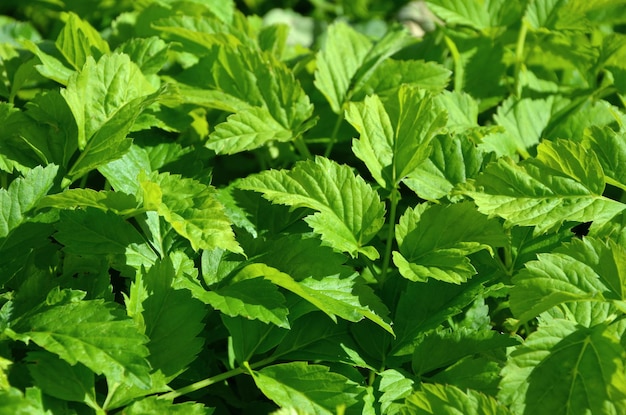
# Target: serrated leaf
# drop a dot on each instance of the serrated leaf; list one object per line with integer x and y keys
{"x": 524, "y": 121}
{"x": 192, "y": 209}
{"x": 564, "y": 368}
{"x": 348, "y": 59}
{"x": 452, "y": 161}
{"x": 583, "y": 270}
{"x": 150, "y": 54}
{"x": 117, "y": 202}
{"x": 450, "y": 400}
{"x": 444, "y": 347}
{"x": 253, "y": 298}
{"x": 435, "y": 241}
{"x": 94, "y": 333}
{"x": 100, "y": 90}
{"x": 349, "y": 212}
{"x": 394, "y": 386}
{"x": 335, "y": 296}
{"x": 610, "y": 147}
{"x": 564, "y": 182}
{"x": 247, "y": 130}
{"x": 95, "y": 232}
{"x": 424, "y": 306}
{"x": 51, "y": 67}
{"x": 22, "y": 195}
{"x": 311, "y": 388}
{"x": 153, "y": 405}
{"x": 174, "y": 334}
{"x": 78, "y": 40}
{"x": 58, "y": 378}
{"x": 391, "y": 74}
{"x": 395, "y": 137}
{"x": 268, "y": 101}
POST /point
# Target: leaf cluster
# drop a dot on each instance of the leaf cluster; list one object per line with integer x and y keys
{"x": 316, "y": 211}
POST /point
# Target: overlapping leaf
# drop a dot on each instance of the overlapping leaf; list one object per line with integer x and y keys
{"x": 310, "y": 388}
{"x": 337, "y": 297}
{"x": 583, "y": 270}
{"x": 564, "y": 182}
{"x": 395, "y": 137}
{"x": 348, "y": 59}
{"x": 23, "y": 195}
{"x": 452, "y": 161}
{"x": 610, "y": 147}
{"x": 94, "y": 333}
{"x": 564, "y": 368}
{"x": 435, "y": 241}
{"x": 450, "y": 400}
{"x": 191, "y": 208}
{"x": 105, "y": 98}
{"x": 349, "y": 212}
{"x": 174, "y": 334}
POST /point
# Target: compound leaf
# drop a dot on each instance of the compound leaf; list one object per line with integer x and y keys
{"x": 563, "y": 183}
{"x": 349, "y": 212}
{"x": 95, "y": 333}
{"x": 435, "y": 241}
{"x": 395, "y": 137}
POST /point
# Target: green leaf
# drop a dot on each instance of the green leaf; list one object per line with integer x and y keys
{"x": 349, "y": 212}
{"x": 394, "y": 386}
{"x": 348, "y": 59}
{"x": 254, "y": 298}
{"x": 610, "y": 147}
{"x": 22, "y": 196}
{"x": 251, "y": 337}
{"x": 106, "y": 98}
{"x": 445, "y": 347}
{"x": 435, "y": 241}
{"x": 564, "y": 183}
{"x": 524, "y": 121}
{"x": 58, "y": 378}
{"x": 173, "y": 320}
{"x": 51, "y": 67}
{"x": 311, "y": 388}
{"x": 49, "y": 128}
{"x": 247, "y": 130}
{"x": 79, "y": 40}
{"x": 395, "y": 137}
{"x": 94, "y": 333}
{"x": 391, "y": 74}
{"x": 150, "y": 54}
{"x": 95, "y": 232}
{"x": 268, "y": 101}
{"x": 424, "y": 306}
{"x": 450, "y": 400}
{"x": 13, "y": 402}
{"x": 564, "y": 368}
{"x": 452, "y": 161}
{"x": 153, "y": 405}
{"x": 192, "y": 209}
{"x": 583, "y": 270}
{"x": 315, "y": 338}
{"x": 335, "y": 296}
{"x": 117, "y": 202}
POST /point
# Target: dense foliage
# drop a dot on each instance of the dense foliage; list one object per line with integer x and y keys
{"x": 314, "y": 211}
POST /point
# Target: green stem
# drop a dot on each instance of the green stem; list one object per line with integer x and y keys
{"x": 303, "y": 148}
{"x": 215, "y": 379}
{"x": 333, "y": 136}
{"x": 459, "y": 72}
{"x": 519, "y": 55}
{"x": 390, "y": 235}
